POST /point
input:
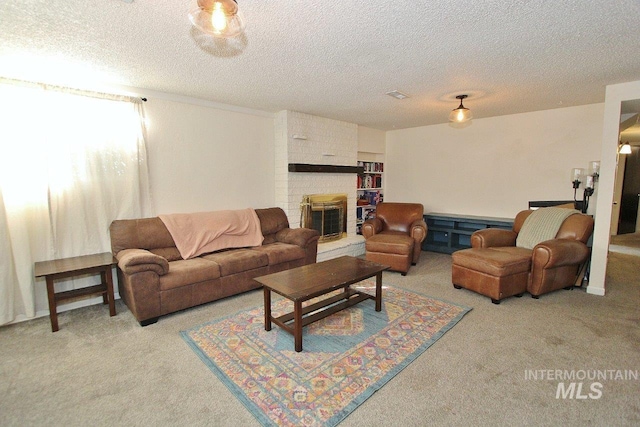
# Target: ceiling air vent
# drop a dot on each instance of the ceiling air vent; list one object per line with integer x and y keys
{"x": 397, "y": 94}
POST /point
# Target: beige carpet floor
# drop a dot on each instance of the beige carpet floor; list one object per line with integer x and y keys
{"x": 108, "y": 371}
{"x": 626, "y": 244}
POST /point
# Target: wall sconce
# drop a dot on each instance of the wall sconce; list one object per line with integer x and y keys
{"x": 577, "y": 177}
{"x": 594, "y": 169}
{"x": 624, "y": 148}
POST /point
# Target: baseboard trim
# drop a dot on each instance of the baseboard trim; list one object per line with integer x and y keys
{"x": 593, "y": 290}
{"x": 62, "y": 308}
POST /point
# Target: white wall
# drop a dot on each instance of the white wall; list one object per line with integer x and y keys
{"x": 494, "y": 166}
{"x": 203, "y": 158}
{"x": 371, "y": 141}
{"x": 615, "y": 95}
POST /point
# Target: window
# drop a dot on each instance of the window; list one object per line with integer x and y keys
{"x": 69, "y": 165}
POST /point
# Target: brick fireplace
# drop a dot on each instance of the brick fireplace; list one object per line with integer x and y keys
{"x": 306, "y": 139}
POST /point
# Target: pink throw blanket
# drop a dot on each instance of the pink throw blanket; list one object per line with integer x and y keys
{"x": 203, "y": 232}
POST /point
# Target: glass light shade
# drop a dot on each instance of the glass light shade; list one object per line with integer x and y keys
{"x": 460, "y": 115}
{"x": 625, "y": 148}
{"x": 589, "y": 183}
{"x": 594, "y": 167}
{"x": 219, "y": 18}
{"x": 577, "y": 174}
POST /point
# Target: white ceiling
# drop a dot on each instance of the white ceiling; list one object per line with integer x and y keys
{"x": 337, "y": 59}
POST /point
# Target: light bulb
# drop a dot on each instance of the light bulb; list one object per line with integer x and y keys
{"x": 218, "y": 18}
{"x": 460, "y": 115}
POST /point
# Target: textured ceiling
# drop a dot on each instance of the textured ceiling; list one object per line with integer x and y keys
{"x": 337, "y": 59}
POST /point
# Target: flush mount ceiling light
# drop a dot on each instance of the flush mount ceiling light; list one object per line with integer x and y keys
{"x": 219, "y": 18}
{"x": 460, "y": 114}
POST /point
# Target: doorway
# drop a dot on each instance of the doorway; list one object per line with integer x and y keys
{"x": 625, "y": 222}
{"x": 628, "y": 220}
{"x": 627, "y": 184}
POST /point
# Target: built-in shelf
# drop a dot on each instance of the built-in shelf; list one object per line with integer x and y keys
{"x": 448, "y": 233}
{"x": 370, "y": 188}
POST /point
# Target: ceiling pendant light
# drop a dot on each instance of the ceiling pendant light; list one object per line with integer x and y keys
{"x": 625, "y": 148}
{"x": 219, "y": 18}
{"x": 460, "y": 114}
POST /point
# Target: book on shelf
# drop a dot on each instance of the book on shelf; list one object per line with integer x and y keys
{"x": 369, "y": 181}
{"x": 371, "y": 167}
{"x": 373, "y": 197}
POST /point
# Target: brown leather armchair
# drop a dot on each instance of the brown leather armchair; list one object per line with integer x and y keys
{"x": 496, "y": 268}
{"x": 395, "y": 235}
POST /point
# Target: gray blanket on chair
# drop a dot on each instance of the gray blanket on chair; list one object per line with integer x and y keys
{"x": 543, "y": 224}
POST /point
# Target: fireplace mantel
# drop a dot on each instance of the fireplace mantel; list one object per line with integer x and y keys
{"x": 306, "y": 167}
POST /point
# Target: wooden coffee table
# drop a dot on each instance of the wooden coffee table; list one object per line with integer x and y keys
{"x": 310, "y": 281}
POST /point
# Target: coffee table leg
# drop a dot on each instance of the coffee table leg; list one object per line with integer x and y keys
{"x": 267, "y": 309}
{"x": 297, "y": 324}
{"x": 379, "y": 291}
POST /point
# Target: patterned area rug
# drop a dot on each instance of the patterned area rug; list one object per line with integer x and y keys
{"x": 346, "y": 357}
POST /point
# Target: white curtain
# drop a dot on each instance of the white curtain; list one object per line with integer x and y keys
{"x": 69, "y": 165}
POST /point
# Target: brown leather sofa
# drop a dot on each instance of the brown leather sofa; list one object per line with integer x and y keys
{"x": 496, "y": 268}
{"x": 154, "y": 280}
{"x": 394, "y": 236}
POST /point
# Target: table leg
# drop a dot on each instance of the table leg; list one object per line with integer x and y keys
{"x": 103, "y": 281}
{"x": 267, "y": 308}
{"x": 345, "y": 292}
{"x": 297, "y": 325}
{"x": 51, "y": 293}
{"x": 108, "y": 278}
{"x": 379, "y": 291}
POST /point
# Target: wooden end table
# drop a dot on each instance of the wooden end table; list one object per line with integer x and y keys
{"x": 313, "y": 280}
{"x": 76, "y": 266}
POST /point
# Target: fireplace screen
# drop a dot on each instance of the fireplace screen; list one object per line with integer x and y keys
{"x": 325, "y": 213}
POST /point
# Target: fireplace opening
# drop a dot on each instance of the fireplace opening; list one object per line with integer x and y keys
{"x": 325, "y": 213}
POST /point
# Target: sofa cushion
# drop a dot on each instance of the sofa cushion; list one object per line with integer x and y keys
{"x": 237, "y": 260}
{"x": 145, "y": 233}
{"x": 498, "y": 261}
{"x": 390, "y": 242}
{"x": 189, "y": 271}
{"x": 272, "y": 220}
{"x": 281, "y": 252}
{"x": 170, "y": 254}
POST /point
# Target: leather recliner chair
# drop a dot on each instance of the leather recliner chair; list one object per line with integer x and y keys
{"x": 496, "y": 268}
{"x": 395, "y": 235}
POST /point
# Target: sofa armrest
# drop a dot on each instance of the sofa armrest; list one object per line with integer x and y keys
{"x": 558, "y": 253}
{"x": 371, "y": 226}
{"x": 419, "y": 230}
{"x": 493, "y": 237}
{"x": 132, "y": 261}
{"x": 297, "y": 236}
